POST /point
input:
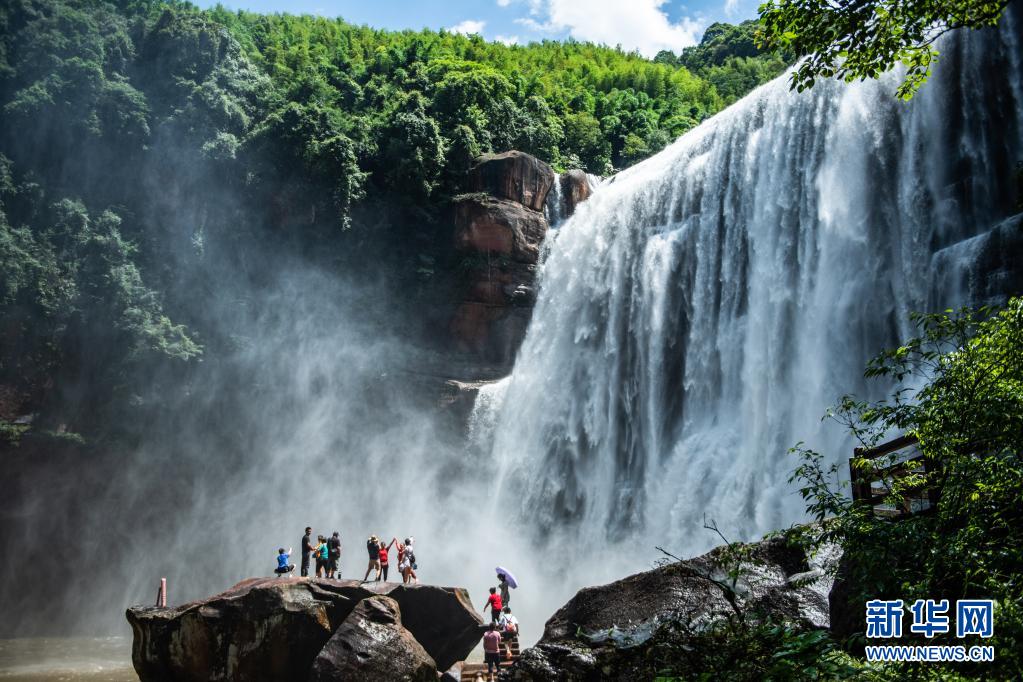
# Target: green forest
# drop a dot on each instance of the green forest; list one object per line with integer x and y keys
{"x": 148, "y": 146}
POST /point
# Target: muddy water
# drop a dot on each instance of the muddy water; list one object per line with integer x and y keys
{"x": 75, "y": 659}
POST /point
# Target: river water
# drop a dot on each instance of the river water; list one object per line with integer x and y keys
{"x": 74, "y": 659}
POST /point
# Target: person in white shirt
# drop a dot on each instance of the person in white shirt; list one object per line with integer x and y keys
{"x": 509, "y": 627}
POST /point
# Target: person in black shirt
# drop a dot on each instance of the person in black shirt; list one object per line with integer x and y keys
{"x": 307, "y": 548}
{"x": 334, "y": 555}
{"x": 373, "y": 547}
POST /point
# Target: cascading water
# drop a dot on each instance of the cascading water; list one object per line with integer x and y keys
{"x": 699, "y": 312}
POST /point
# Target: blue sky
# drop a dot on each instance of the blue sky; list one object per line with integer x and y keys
{"x": 644, "y": 25}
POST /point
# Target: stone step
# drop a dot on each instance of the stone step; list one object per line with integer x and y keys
{"x": 471, "y": 672}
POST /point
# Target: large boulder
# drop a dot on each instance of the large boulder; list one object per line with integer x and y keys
{"x": 273, "y": 629}
{"x": 442, "y": 619}
{"x": 513, "y": 175}
{"x": 260, "y": 629}
{"x": 606, "y": 632}
{"x": 372, "y": 644}
{"x": 498, "y": 227}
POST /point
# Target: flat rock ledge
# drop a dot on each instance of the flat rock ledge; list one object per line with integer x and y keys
{"x": 276, "y": 628}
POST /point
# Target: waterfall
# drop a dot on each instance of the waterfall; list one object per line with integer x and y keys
{"x": 698, "y": 314}
{"x": 554, "y": 205}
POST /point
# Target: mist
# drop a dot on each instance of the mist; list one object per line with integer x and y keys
{"x": 318, "y": 415}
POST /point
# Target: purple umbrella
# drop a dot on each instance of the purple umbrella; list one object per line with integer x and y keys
{"x": 512, "y": 582}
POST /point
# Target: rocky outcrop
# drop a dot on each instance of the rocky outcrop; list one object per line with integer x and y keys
{"x": 575, "y": 189}
{"x": 372, "y": 644}
{"x": 986, "y": 268}
{"x": 513, "y": 175}
{"x": 498, "y": 227}
{"x": 606, "y": 632}
{"x": 498, "y": 232}
{"x": 273, "y": 629}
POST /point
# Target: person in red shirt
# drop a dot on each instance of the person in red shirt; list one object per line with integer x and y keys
{"x": 492, "y": 648}
{"x": 494, "y": 604}
{"x": 384, "y": 558}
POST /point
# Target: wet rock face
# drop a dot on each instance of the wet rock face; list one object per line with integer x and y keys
{"x": 372, "y": 644}
{"x": 604, "y": 632}
{"x": 500, "y": 228}
{"x": 575, "y": 189}
{"x": 273, "y": 629}
{"x": 513, "y": 175}
{"x": 498, "y": 232}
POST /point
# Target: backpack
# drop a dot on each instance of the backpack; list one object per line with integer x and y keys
{"x": 334, "y": 547}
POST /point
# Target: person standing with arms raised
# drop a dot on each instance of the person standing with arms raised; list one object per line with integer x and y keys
{"x": 307, "y": 549}
{"x": 373, "y": 547}
{"x": 385, "y": 558}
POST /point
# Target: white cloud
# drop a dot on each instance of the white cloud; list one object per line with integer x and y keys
{"x": 534, "y": 25}
{"x": 635, "y": 25}
{"x": 468, "y": 27}
{"x": 503, "y": 3}
{"x": 731, "y": 7}
{"x": 507, "y": 40}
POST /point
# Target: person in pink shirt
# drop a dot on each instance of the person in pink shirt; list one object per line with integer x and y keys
{"x": 492, "y": 651}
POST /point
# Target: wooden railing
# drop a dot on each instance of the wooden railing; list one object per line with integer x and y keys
{"x": 872, "y": 483}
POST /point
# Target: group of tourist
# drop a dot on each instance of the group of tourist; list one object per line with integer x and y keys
{"x": 504, "y": 627}
{"x": 380, "y": 558}
{"x": 326, "y": 552}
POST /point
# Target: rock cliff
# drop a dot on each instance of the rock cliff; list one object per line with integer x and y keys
{"x": 498, "y": 231}
{"x": 611, "y": 632}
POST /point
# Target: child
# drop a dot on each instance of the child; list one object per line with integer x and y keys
{"x": 283, "y": 566}
{"x": 494, "y": 603}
